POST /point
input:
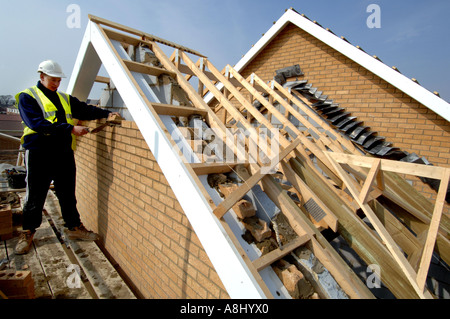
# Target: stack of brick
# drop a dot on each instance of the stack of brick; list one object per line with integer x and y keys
{"x": 17, "y": 284}
{"x": 6, "y": 228}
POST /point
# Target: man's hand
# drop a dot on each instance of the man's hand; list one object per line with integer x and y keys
{"x": 112, "y": 116}
{"x": 80, "y": 130}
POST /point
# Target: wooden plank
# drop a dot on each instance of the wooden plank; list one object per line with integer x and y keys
{"x": 186, "y": 70}
{"x": 381, "y": 230}
{"x": 429, "y": 171}
{"x": 55, "y": 264}
{"x": 290, "y": 110}
{"x": 214, "y": 168}
{"x": 234, "y": 197}
{"x": 200, "y": 84}
{"x": 401, "y": 192}
{"x": 212, "y": 88}
{"x": 356, "y": 233}
{"x": 287, "y": 206}
{"x": 103, "y": 277}
{"x": 196, "y": 99}
{"x": 406, "y": 196}
{"x": 373, "y": 173}
{"x": 4, "y": 188}
{"x": 277, "y": 254}
{"x": 146, "y": 69}
{"x": 177, "y": 110}
{"x": 141, "y": 34}
{"x": 236, "y": 114}
{"x": 407, "y": 241}
{"x": 261, "y": 119}
{"x": 313, "y": 115}
{"x": 409, "y": 199}
{"x": 380, "y": 180}
{"x": 432, "y": 231}
{"x": 442, "y": 246}
{"x": 13, "y": 138}
{"x": 307, "y": 194}
{"x": 343, "y": 274}
{"x": 122, "y": 37}
{"x": 406, "y": 199}
{"x": 103, "y": 79}
{"x": 330, "y": 218}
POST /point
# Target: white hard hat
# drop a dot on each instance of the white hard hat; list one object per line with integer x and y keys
{"x": 51, "y": 68}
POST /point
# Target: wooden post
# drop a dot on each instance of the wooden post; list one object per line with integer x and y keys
{"x": 432, "y": 231}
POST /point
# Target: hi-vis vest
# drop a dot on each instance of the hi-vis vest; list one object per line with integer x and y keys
{"x": 48, "y": 109}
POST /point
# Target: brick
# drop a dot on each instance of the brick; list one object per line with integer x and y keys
{"x": 259, "y": 228}
{"x": 294, "y": 281}
{"x": 244, "y": 209}
{"x": 6, "y": 228}
{"x": 17, "y": 284}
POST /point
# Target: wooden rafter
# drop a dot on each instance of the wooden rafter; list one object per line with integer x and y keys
{"x": 356, "y": 289}
{"x": 377, "y": 166}
{"x": 393, "y": 186}
{"x": 143, "y": 35}
{"x": 234, "y": 197}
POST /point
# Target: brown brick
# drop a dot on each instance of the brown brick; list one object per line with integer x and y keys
{"x": 6, "y": 226}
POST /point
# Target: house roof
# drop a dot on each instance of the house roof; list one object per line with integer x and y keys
{"x": 221, "y": 237}
{"x": 371, "y": 63}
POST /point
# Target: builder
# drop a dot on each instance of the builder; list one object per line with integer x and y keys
{"x": 49, "y": 140}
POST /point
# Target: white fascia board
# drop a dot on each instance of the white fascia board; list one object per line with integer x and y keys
{"x": 261, "y": 44}
{"x": 414, "y": 90}
{"x": 229, "y": 264}
{"x": 86, "y": 68}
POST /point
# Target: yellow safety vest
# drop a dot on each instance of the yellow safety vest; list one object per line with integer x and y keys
{"x": 48, "y": 109}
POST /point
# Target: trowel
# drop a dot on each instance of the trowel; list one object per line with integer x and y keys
{"x": 115, "y": 120}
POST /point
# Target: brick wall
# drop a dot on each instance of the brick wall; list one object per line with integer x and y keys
{"x": 123, "y": 195}
{"x": 403, "y": 121}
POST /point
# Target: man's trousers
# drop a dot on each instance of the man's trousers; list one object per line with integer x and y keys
{"x": 43, "y": 167}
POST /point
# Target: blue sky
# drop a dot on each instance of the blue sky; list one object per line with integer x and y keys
{"x": 414, "y": 35}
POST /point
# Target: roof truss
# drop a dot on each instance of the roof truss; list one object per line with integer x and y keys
{"x": 303, "y": 156}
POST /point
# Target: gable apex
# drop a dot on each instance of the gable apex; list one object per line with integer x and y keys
{"x": 408, "y": 86}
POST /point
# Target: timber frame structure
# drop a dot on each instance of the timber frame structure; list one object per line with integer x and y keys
{"x": 319, "y": 166}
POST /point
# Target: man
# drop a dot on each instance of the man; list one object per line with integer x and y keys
{"x": 49, "y": 140}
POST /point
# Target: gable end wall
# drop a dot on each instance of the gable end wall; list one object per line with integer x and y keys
{"x": 406, "y": 123}
{"x": 123, "y": 195}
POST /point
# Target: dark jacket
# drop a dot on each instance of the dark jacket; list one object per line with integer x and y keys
{"x": 58, "y": 134}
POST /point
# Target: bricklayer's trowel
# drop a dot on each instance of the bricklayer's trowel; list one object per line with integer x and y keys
{"x": 114, "y": 120}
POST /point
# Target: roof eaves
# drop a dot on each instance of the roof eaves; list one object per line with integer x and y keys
{"x": 390, "y": 75}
